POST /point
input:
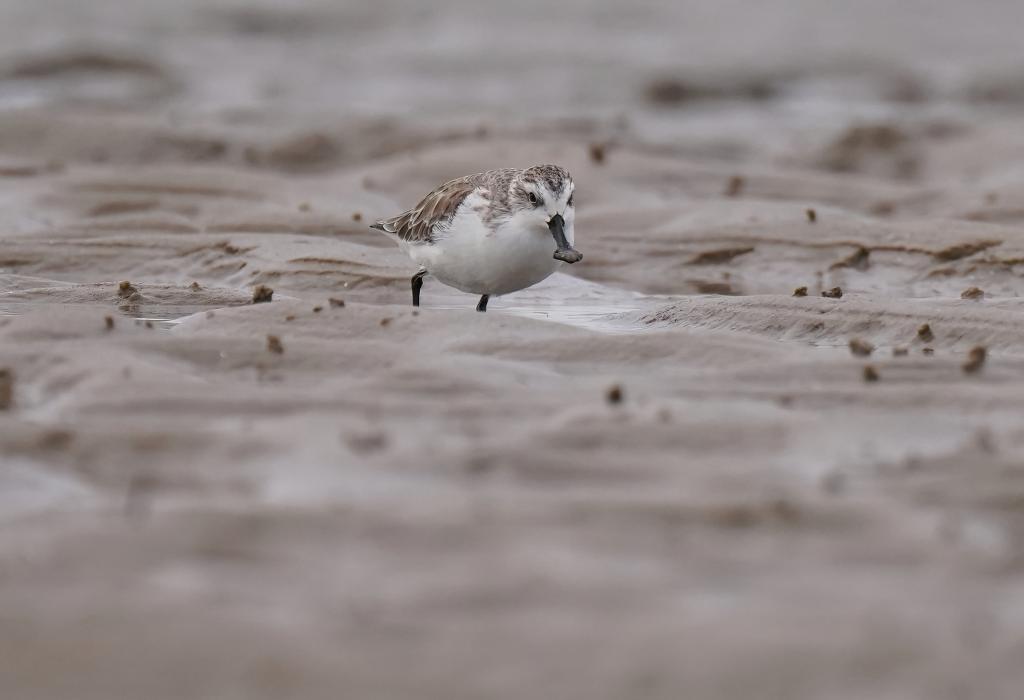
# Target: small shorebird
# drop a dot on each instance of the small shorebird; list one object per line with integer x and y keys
{"x": 491, "y": 233}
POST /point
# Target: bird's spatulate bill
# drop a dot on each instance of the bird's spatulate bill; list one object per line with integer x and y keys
{"x": 565, "y": 252}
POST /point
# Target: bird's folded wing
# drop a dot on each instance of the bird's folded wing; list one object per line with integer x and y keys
{"x": 419, "y": 224}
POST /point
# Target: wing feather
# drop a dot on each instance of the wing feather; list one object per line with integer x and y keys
{"x": 419, "y": 224}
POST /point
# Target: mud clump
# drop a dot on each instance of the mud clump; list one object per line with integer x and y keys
{"x": 975, "y": 360}
{"x": 883, "y": 209}
{"x": 262, "y": 294}
{"x": 900, "y": 351}
{"x": 195, "y": 287}
{"x": 336, "y": 303}
{"x": 861, "y": 348}
{"x": 800, "y": 292}
{"x": 734, "y": 188}
{"x": 317, "y": 309}
{"x": 130, "y": 296}
{"x": 719, "y": 257}
{"x": 596, "y": 151}
{"x": 928, "y": 351}
{"x": 6, "y": 388}
{"x": 870, "y": 374}
{"x": 669, "y": 91}
{"x": 812, "y": 216}
{"x": 614, "y": 395}
{"x": 275, "y": 345}
{"x": 108, "y": 323}
{"x": 972, "y": 293}
{"x": 925, "y": 334}
{"x": 834, "y": 293}
{"x": 385, "y": 322}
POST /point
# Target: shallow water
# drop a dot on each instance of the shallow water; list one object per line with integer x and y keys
{"x": 605, "y": 318}
{"x": 597, "y": 317}
{"x": 594, "y": 307}
{"x": 563, "y": 299}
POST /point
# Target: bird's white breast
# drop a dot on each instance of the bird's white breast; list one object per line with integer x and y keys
{"x": 477, "y": 258}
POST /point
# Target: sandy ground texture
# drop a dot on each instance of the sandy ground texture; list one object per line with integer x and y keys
{"x": 764, "y": 442}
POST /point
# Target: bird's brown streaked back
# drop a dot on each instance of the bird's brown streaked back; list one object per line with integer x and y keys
{"x": 437, "y": 208}
{"x": 419, "y": 224}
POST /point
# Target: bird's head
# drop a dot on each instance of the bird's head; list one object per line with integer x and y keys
{"x": 544, "y": 193}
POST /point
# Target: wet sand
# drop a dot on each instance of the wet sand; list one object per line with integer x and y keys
{"x": 664, "y": 474}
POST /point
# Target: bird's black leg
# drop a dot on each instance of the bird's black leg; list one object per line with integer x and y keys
{"x": 417, "y": 283}
{"x": 482, "y": 306}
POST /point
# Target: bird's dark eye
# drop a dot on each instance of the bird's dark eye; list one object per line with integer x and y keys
{"x": 533, "y": 199}
{"x": 569, "y": 203}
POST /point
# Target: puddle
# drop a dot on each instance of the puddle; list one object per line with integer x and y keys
{"x": 595, "y": 317}
{"x": 168, "y": 316}
{"x": 562, "y": 299}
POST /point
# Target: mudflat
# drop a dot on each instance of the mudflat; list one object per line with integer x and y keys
{"x": 764, "y": 441}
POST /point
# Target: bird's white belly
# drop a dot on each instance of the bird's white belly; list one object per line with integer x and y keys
{"x": 473, "y": 258}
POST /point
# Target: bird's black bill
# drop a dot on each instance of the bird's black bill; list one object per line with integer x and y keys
{"x": 565, "y": 252}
